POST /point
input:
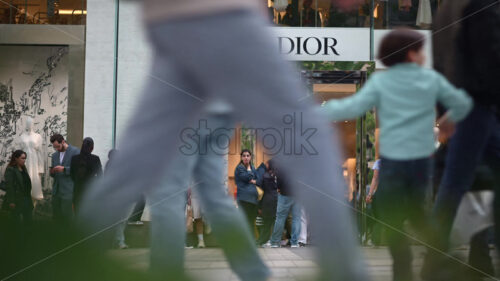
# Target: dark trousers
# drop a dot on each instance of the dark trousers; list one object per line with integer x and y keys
{"x": 62, "y": 210}
{"x": 22, "y": 214}
{"x": 138, "y": 210}
{"x": 250, "y": 211}
{"x": 479, "y": 254}
{"x": 476, "y": 140}
{"x": 375, "y": 228}
{"x": 401, "y": 196}
{"x": 266, "y": 229}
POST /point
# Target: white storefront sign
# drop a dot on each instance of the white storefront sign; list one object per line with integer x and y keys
{"x": 323, "y": 44}
{"x": 334, "y": 44}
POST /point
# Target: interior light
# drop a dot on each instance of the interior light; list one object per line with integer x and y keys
{"x": 72, "y": 12}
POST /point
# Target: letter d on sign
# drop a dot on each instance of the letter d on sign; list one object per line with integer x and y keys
{"x": 292, "y": 45}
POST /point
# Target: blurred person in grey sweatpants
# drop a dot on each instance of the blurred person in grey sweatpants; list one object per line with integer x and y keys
{"x": 199, "y": 164}
{"x": 222, "y": 48}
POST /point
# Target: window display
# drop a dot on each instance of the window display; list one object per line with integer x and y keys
{"x": 43, "y": 12}
{"x": 33, "y": 95}
{"x": 324, "y": 13}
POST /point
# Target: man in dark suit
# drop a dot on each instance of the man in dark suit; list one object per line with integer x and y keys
{"x": 62, "y": 189}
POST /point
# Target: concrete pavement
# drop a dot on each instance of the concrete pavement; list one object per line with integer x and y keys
{"x": 286, "y": 264}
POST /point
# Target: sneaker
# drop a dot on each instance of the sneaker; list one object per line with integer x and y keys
{"x": 302, "y": 244}
{"x": 122, "y": 246}
{"x": 275, "y": 246}
{"x": 201, "y": 244}
{"x": 188, "y": 247}
{"x": 294, "y": 245}
{"x": 266, "y": 245}
{"x": 135, "y": 223}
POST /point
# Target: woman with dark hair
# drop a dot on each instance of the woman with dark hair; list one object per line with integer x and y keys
{"x": 18, "y": 188}
{"x": 245, "y": 177}
{"x": 84, "y": 167}
{"x": 269, "y": 202}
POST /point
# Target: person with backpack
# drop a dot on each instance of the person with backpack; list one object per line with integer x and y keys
{"x": 84, "y": 167}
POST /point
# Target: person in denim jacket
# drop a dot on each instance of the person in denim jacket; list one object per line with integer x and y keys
{"x": 246, "y": 178}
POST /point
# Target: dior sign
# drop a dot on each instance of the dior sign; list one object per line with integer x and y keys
{"x": 310, "y": 45}
{"x": 322, "y": 44}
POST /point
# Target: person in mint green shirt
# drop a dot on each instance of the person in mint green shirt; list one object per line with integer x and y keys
{"x": 405, "y": 97}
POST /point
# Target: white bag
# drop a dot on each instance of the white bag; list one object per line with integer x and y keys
{"x": 474, "y": 214}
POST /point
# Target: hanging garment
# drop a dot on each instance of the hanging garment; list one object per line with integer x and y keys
{"x": 424, "y": 15}
{"x": 280, "y": 5}
{"x": 32, "y": 144}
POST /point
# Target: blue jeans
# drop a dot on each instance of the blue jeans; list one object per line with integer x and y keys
{"x": 401, "y": 196}
{"x": 476, "y": 140}
{"x": 285, "y": 203}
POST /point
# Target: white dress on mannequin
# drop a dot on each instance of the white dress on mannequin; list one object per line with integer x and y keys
{"x": 32, "y": 143}
{"x": 424, "y": 14}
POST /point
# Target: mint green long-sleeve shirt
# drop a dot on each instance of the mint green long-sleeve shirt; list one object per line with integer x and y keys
{"x": 405, "y": 97}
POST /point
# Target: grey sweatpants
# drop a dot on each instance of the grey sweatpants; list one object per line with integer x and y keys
{"x": 203, "y": 162}
{"x": 232, "y": 56}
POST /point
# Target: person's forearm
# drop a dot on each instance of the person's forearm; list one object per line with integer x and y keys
{"x": 373, "y": 189}
{"x": 374, "y": 184}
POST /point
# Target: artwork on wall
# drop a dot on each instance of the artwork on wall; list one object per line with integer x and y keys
{"x": 33, "y": 84}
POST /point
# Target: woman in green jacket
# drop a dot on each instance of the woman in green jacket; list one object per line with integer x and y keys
{"x": 18, "y": 188}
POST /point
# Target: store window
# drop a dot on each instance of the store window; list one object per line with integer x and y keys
{"x": 67, "y": 12}
{"x": 417, "y": 14}
{"x": 386, "y": 14}
{"x": 317, "y": 13}
{"x": 42, "y": 74}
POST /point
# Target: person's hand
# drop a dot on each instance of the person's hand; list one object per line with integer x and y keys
{"x": 446, "y": 127}
{"x": 369, "y": 198}
{"x": 12, "y": 205}
{"x": 57, "y": 169}
{"x": 253, "y": 181}
{"x": 259, "y": 212}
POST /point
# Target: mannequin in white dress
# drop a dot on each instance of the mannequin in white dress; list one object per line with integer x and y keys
{"x": 32, "y": 144}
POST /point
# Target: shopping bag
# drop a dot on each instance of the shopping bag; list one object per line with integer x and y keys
{"x": 260, "y": 192}
{"x": 475, "y": 213}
